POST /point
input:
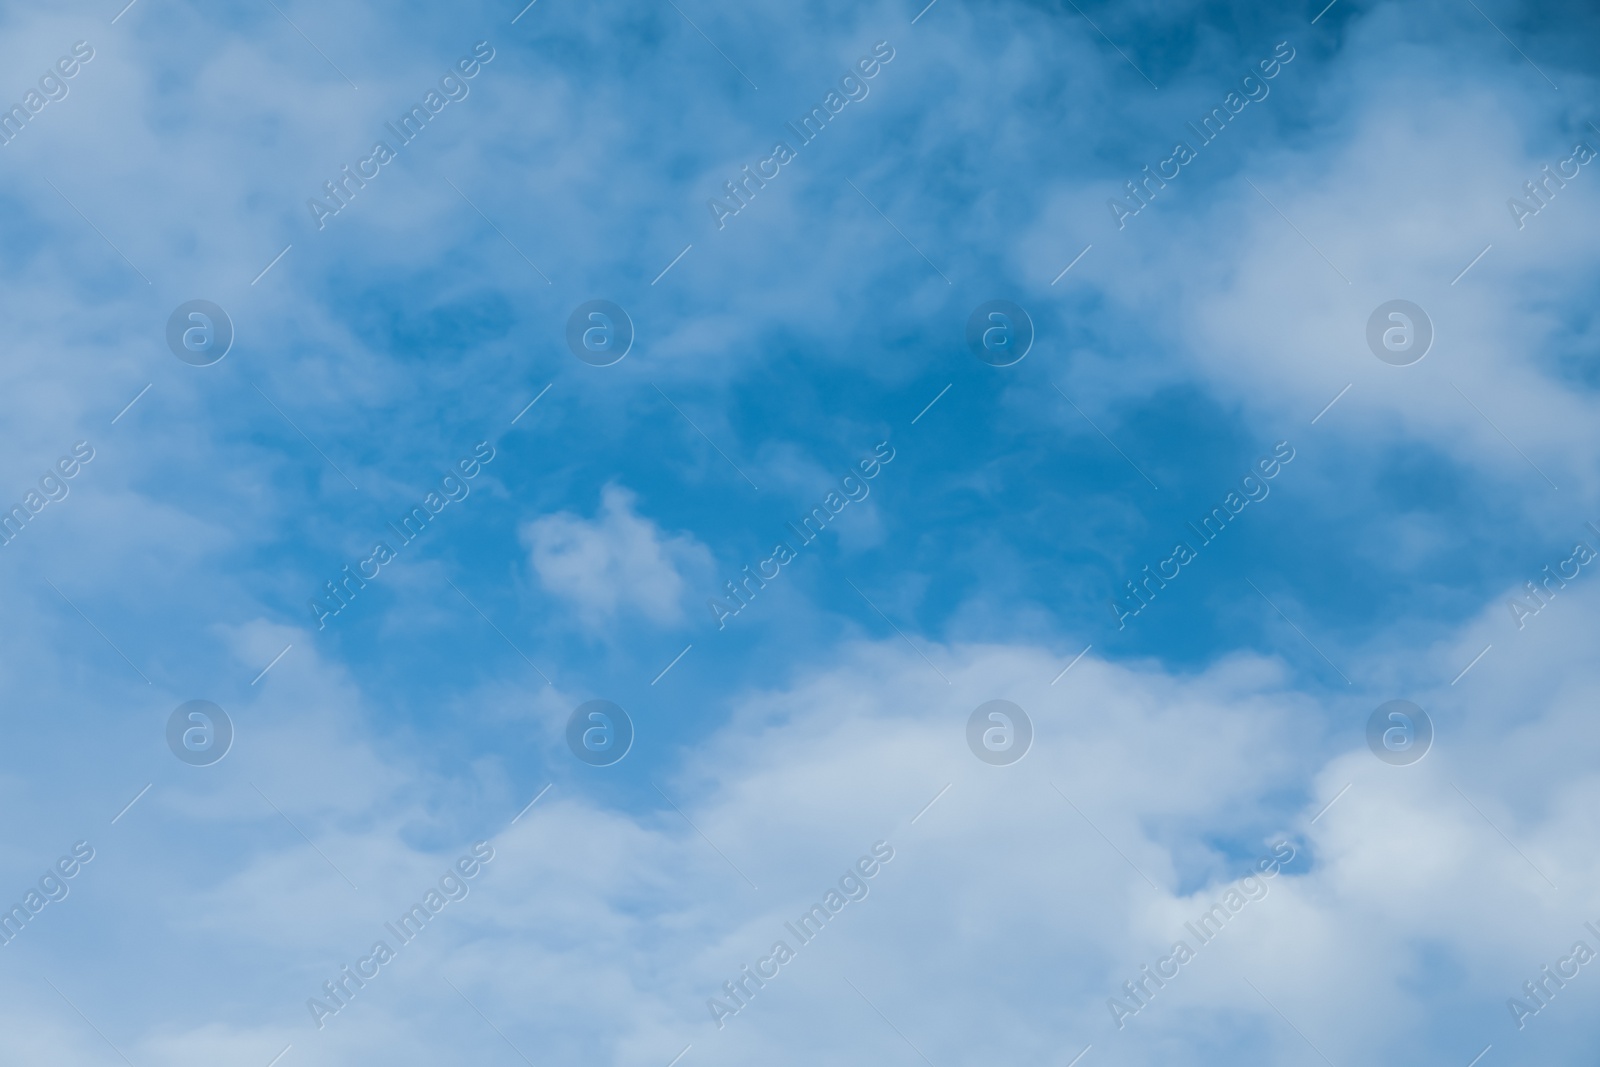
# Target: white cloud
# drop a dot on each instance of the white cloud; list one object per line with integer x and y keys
{"x": 615, "y": 564}
{"x": 598, "y": 934}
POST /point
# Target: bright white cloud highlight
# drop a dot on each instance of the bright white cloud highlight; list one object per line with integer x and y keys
{"x": 615, "y": 564}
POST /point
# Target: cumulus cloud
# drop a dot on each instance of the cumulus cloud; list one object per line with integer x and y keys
{"x": 617, "y": 563}
{"x": 1402, "y": 922}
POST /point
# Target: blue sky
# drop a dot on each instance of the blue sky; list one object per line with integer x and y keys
{"x": 771, "y": 355}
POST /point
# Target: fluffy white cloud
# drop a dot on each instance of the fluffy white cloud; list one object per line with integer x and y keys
{"x": 1281, "y": 330}
{"x": 616, "y": 563}
{"x": 1019, "y": 898}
